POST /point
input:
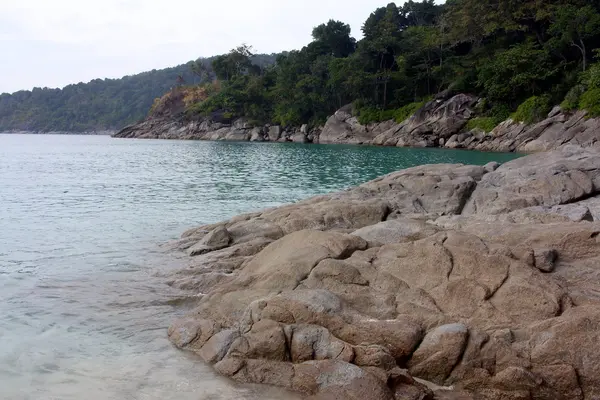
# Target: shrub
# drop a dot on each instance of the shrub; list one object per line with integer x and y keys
{"x": 533, "y": 109}
{"x": 573, "y": 97}
{"x": 368, "y": 115}
{"x": 590, "y": 101}
{"x": 592, "y": 76}
{"x": 486, "y": 124}
{"x": 405, "y": 112}
{"x": 386, "y": 115}
{"x": 499, "y": 112}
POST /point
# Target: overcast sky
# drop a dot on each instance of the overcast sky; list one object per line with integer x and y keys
{"x": 52, "y": 43}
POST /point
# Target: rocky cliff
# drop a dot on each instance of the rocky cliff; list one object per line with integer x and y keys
{"x": 435, "y": 282}
{"x": 440, "y": 123}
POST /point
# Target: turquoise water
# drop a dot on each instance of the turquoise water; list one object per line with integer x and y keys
{"x": 83, "y": 310}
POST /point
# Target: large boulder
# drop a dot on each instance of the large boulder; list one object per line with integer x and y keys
{"x": 274, "y": 133}
{"x": 343, "y": 127}
{"x": 548, "y": 179}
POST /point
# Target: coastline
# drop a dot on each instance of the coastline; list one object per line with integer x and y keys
{"x": 98, "y": 133}
{"x": 441, "y": 123}
{"x": 439, "y": 281}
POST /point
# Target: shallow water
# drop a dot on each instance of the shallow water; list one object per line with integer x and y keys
{"x": 83, "y": 314}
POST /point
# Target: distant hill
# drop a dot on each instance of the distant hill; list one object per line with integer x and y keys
{"x": 102, "y": 104}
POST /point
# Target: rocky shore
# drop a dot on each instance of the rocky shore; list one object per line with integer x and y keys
{"x": 440, "y": 123}
{"x": 435, "y": 282}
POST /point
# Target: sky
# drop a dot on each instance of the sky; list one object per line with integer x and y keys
{"x": 53, "y": 43}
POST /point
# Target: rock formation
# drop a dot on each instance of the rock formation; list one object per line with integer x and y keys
{"x": 435, "y": 282}
{"x": 239, "y": 130}
{"x": 440, "y": 123}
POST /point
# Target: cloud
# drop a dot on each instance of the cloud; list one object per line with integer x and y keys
{"x": 54, "y": 43}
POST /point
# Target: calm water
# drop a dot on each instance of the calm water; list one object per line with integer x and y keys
{"x": 83, "y": 314}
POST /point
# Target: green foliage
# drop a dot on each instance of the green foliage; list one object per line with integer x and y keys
{"x": 592, "y": 77}
{"x": 573, "y": 97}
{"x": 334, "y": 38}
{"x": 405, "y": 112}
{"x": 503, "y": 50}
{"x": 486, "y": 124}
{"x": 573, "y": 25}
{"x": 506, "y": 51}
{"x": 590, "y": 101}
{"x": 102, "y": 104}
{"x": 532, "y": 110}
{"x": 367, "y": 115}
{"x": 371, "y": 115}
{"x": 499, "y": 112}
{"x": 516, "y": 72}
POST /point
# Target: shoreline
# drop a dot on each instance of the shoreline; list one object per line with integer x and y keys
{"x": 102, "y": 133}
{"x": 440, "y": 123}
{"x": 434, "y": 281}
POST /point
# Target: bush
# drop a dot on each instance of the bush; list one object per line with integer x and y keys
{"x": 573, "y": 97}
{"x": 405, "y": 112}
{"x": 592, "y": 76}
{"x": 367, "y": 115}
{"x": 590, "y": 101}
{"x": 499, "y": 112}
{"x": 532, "y": 110}
{"x": 486, "y": 124}
{"x": 370, "y": 115}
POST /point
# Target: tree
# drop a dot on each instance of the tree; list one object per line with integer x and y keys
{"x": 238, "y": 61}
{"x": 573, "y": 26}
{"x": 425, "y": 13}
{"x": 334, "y": 38}
{"x": 517, "y": 73}
{"x": 382, "y": 32}
{"x": 201, "y": 70}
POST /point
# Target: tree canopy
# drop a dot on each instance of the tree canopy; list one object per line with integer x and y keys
{"x": 505, "y": 51}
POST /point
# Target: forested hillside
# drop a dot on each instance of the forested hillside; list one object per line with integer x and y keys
{"x": 521, "y": 57}
{"x": 102, "y": 104}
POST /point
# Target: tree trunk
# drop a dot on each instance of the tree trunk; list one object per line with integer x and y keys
{"x": 581, "y": 47}
{"x": 584, "y": 53}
